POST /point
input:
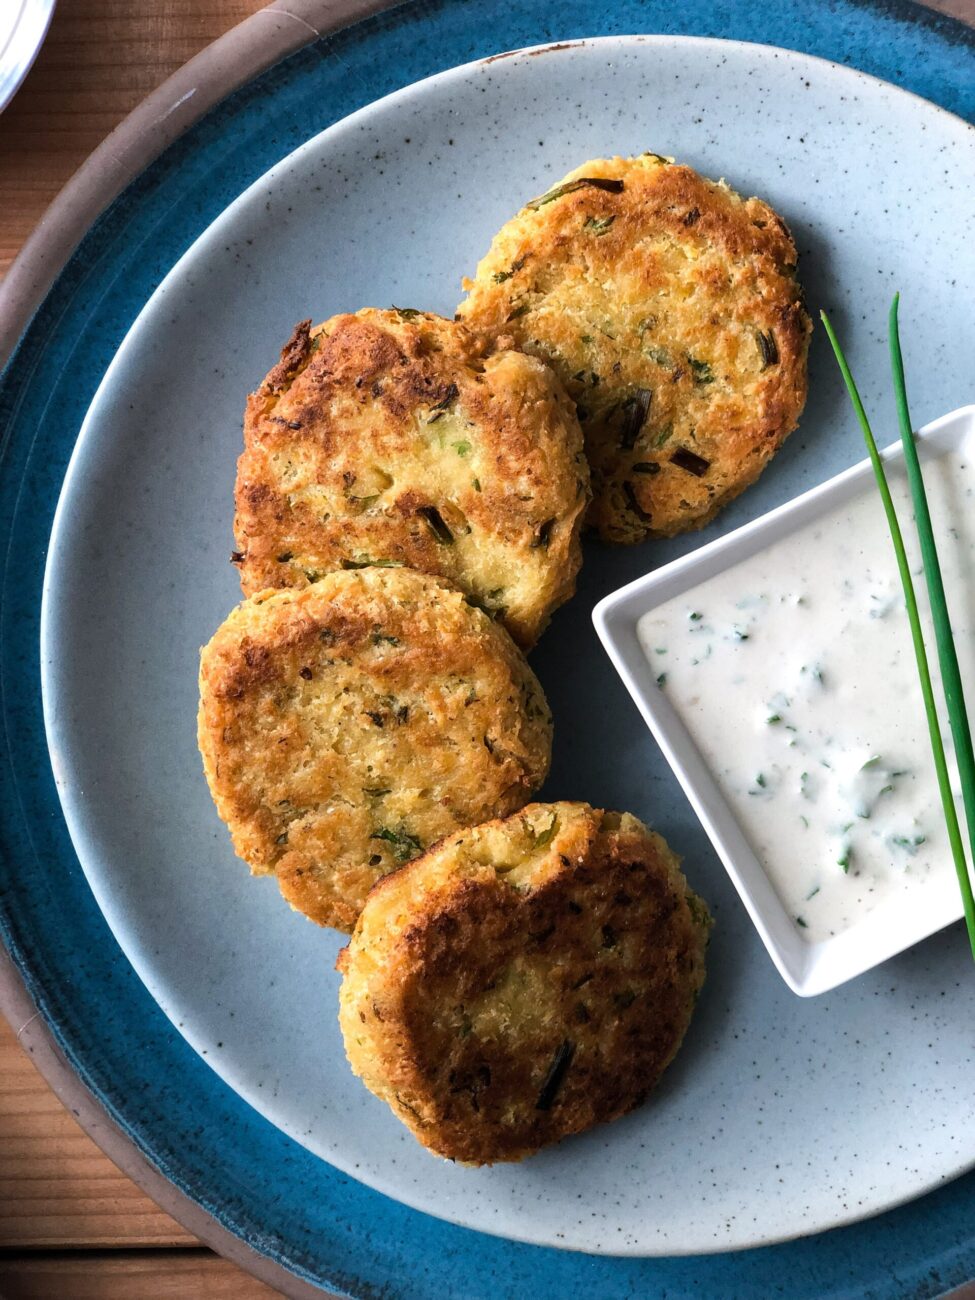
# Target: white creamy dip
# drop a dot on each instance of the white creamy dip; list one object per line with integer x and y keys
{"x": 795, "y": 674}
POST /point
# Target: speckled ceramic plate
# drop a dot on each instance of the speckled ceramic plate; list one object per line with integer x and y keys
{"x": 780, "y": 1117}
{"x": 394, "y": 204}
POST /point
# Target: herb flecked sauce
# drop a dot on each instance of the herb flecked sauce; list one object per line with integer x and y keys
{"x": 795, "y": 674}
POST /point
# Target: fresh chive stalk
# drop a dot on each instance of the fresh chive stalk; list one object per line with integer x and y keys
{"x": 914, "y": 618}
{"x": 961, "y": 731}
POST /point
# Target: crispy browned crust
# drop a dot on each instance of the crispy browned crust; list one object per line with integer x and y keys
{"x": 346, "y": 726}
{"x": 651, "y": 304}
{"x": 563, "y": 940}
{"x": 370, "y": 422}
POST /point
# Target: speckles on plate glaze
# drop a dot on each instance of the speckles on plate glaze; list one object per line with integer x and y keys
{"x": 733, "y": 1109}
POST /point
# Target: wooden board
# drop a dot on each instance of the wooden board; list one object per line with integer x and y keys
{"x": 56, "y": 1187}
{"x": 100, "y": 59}
{"x": 124, "y": 1275}
{"x": 59, "y": 1193}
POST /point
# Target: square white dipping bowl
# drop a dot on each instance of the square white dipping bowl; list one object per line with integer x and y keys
{"x": 890, "y": 927}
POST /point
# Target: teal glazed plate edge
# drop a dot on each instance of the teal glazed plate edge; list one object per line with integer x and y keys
{"x": 267, "y": 1190}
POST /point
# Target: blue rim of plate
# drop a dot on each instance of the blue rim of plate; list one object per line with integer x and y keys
{"x": 261, "y": 1186}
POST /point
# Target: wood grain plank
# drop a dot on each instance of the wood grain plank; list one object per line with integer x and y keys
{"x": 963, "y": 9}
{"x": 149, "y": 1275}
{"x": 56, "y": 1186}
{"x": 101, "y": 58}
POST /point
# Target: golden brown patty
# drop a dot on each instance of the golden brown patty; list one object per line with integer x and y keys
{"x": 669, "y": 308}
{"x": 348, "y": 725}
{"x": 389, "y": 436}
{"x": 523, "y": 980}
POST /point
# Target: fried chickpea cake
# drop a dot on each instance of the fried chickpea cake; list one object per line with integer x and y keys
{"x": 348, "y": 725}
{"x": 669, "y": 308}
{"x": 523, "y": 980}
{"x": 388, "y": 435}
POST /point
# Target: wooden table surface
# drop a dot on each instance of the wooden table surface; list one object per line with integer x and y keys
{"x": 72, "y": 1227}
